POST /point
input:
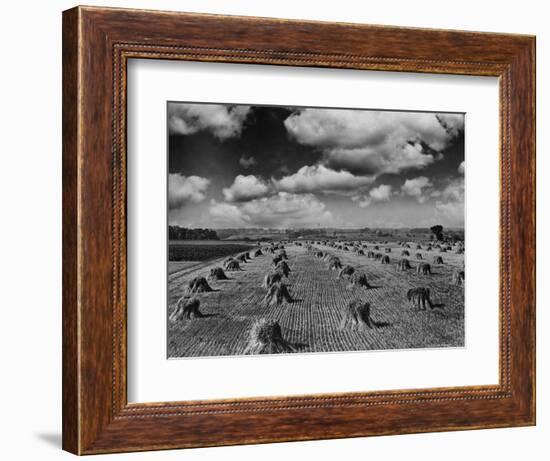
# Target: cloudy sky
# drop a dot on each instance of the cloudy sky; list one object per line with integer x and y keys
{"x": 273, "y": 166}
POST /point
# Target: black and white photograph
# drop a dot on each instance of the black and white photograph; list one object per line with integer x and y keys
{"x": 313, "y": 229}
{"x": 266, "y": 231}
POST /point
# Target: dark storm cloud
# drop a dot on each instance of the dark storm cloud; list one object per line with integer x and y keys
{"x": 263, "y": 145}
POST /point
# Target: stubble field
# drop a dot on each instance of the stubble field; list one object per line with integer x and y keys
{"x": 312, "y": 322}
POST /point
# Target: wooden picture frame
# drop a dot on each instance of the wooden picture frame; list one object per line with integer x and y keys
{"x": 97, "y": 43}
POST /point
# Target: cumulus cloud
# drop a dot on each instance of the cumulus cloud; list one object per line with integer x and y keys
{"x": 223, "y": 121}
{"x": 382, "y": 193}
{"x": 461, "y": 168}
{"x": 227, "y": 214}
{"x": 183, "y": 190}
{"x": 450, "y": 207}
{"x": 280, "y": 210}
{"x": 374, "y": 142}
{"x": 415, "y": 187}
{"x": 308, "y": 179}
{"x": 247, "y": 162}
{"x": 246, "y": 188}
{"x": 374, "y": 160}
{"x": 362, "y": 201}
{"x": 319, "y": 178}
{"x": 454, "y": 190}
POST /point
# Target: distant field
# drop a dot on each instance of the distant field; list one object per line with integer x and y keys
{"x": 177, "y": 266}
{"x": 313, "y": 320}
{"x": 203, "y": 250}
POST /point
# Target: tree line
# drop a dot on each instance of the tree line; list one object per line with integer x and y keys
{"x": 440, "y": 236}
{"x": 184, "y": 233}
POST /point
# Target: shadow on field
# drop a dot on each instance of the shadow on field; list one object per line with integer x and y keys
{"x": 380, "y": 324}
{"x": 300, "y": 347}
{"x": 198, "y": 317}
{"x": 438, "y": 306}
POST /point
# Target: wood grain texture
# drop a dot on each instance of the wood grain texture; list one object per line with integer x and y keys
{"x": 70, "y": 384}
{"x": 97, "y": 43}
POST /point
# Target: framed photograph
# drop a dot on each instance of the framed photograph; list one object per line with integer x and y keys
{"x": 281, "y": 230}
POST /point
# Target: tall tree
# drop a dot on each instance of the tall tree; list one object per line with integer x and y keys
{"x": 437, "y": 231}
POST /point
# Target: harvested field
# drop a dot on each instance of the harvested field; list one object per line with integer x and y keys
{"x": 312, "y": 321}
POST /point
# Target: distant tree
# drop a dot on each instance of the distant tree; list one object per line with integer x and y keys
{"x": 183, "y": 233}
{"x": 437, "y": 231}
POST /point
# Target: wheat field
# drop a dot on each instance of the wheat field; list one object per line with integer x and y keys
{"x": 312, "y": 322}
